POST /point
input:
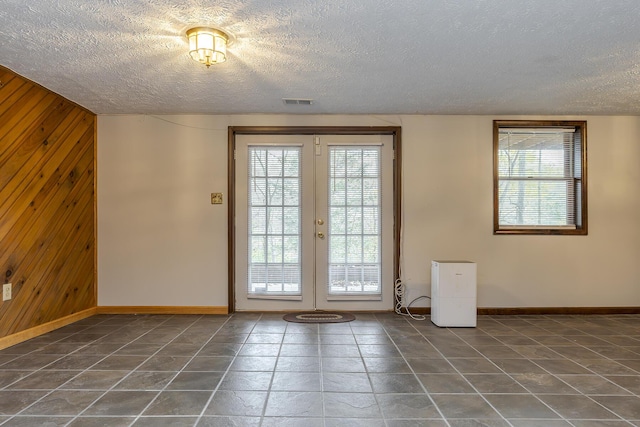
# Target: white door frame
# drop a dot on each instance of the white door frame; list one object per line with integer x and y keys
{"x": 233, "y": 131}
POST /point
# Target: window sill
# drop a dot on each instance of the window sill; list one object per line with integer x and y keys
{"x": 552, "y": 231}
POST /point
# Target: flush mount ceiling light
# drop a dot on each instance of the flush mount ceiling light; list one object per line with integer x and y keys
{"x": 207, "y": 45}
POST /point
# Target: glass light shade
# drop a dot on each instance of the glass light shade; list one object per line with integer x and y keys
{"x": 207, "y": 45}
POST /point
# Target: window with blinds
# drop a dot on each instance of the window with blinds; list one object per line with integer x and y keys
{"x": 275, "y": 266}
{"x": 354, "y": 216}
{"x": 539, "y": 177}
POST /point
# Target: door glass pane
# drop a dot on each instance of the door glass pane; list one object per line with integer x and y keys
{"x": 274, "y": 222}
{"x": 354, "y": 218}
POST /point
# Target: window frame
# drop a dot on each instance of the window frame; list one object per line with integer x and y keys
{"x": 580, "y": 197}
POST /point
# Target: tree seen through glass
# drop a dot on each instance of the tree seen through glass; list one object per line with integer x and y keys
{"x": 354, "y": 220}
{"x": 274, "y": 220}
{"x": 535, "y": 179}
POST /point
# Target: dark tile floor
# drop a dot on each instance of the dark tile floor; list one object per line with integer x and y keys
{"x": 379, "y": 370}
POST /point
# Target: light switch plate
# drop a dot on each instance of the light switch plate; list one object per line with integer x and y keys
{"x": 6, "y": 292}
{"x": 216, "y": 198}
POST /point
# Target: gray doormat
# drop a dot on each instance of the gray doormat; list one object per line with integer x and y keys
{"x": 319, "y": 317}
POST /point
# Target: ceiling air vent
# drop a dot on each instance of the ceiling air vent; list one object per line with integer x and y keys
{"x": 294, "y": 101}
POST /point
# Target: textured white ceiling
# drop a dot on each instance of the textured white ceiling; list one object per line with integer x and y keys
{"x": 349, "y": 56}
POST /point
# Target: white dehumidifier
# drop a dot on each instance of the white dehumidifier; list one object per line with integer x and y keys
{"x": 453, "y": 293}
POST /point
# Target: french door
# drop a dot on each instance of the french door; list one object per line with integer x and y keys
{"x": 314, "y": 222}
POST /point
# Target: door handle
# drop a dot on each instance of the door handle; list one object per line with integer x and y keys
{"x": 321, "y": 235}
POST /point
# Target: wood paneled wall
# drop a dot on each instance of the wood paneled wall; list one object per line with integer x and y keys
{"x": 47, "y": 205}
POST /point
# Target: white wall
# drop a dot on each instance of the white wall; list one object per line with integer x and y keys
{"x": 161, "y": 242}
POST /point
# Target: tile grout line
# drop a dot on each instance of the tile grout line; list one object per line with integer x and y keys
{"x": 58, "y": 387}
{"x": 266, "y": 400}
{"x": 132, "y": 370}
{"x": 584, "y": 367}
{"x": 562, "y": 357}
{"x": 535, "y": 395}
{"x": 461, "y": 374}
{"x": 584, "y": 331}
{"x": 413, "y": 372}
{"x": 233, "y": 359}
{"x": 181, "y": 369}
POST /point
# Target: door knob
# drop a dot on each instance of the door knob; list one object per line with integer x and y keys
{"x": 320, "y": 222}
{"x": 321, "y": 235}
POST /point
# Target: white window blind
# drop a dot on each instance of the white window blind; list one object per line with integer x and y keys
{"x": 274, "y": 180}
{"x": 539, "y": 177}
{"x": 354, "y": 217}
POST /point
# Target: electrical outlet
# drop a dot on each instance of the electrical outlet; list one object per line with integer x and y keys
{"x": 6, "y": 292}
